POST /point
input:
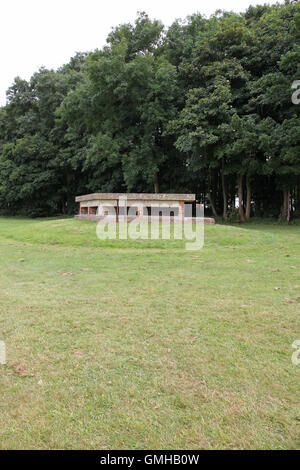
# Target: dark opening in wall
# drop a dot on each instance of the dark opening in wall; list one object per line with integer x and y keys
{"x": 110, "y": 210}
{"x": 93, "y": 210}
{"x": 133, "y": 210}
{"x": 161, "y": 211}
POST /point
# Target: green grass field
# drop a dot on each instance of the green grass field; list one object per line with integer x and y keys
{"x": 142, "y": 344}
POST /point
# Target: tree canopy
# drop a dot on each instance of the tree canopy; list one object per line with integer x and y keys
{"x": 204, "y": 106}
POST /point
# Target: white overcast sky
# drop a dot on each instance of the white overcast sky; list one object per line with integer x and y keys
{"x": 48, "y": 32}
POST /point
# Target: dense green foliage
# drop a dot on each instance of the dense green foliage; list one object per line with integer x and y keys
{"x": 204, "y": 106}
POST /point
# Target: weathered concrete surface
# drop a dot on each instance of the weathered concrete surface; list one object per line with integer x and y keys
{"x": 136, "y": 196}
{"x": 207, "y": 220}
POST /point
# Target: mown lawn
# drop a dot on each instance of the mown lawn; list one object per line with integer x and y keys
{"x": 142, "y": 344}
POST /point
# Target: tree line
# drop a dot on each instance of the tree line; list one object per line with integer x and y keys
{"x": 204, "y": 106}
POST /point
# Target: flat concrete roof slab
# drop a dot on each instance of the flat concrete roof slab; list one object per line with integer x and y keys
{"x": 141, "y": 196}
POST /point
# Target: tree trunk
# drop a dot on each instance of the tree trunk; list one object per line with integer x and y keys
{"x": 285, "y": 205}
{"x": 213, "y": 207}
{"x": 156, "y": 185}
{"x": 240, "y": 195}
{"x": 248, "y": 201}
{"x": 212, "y": 192}
{"x": 225, "y": 204}
{"x": 288, "y": 215}
{"x": 297, "y": 199}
